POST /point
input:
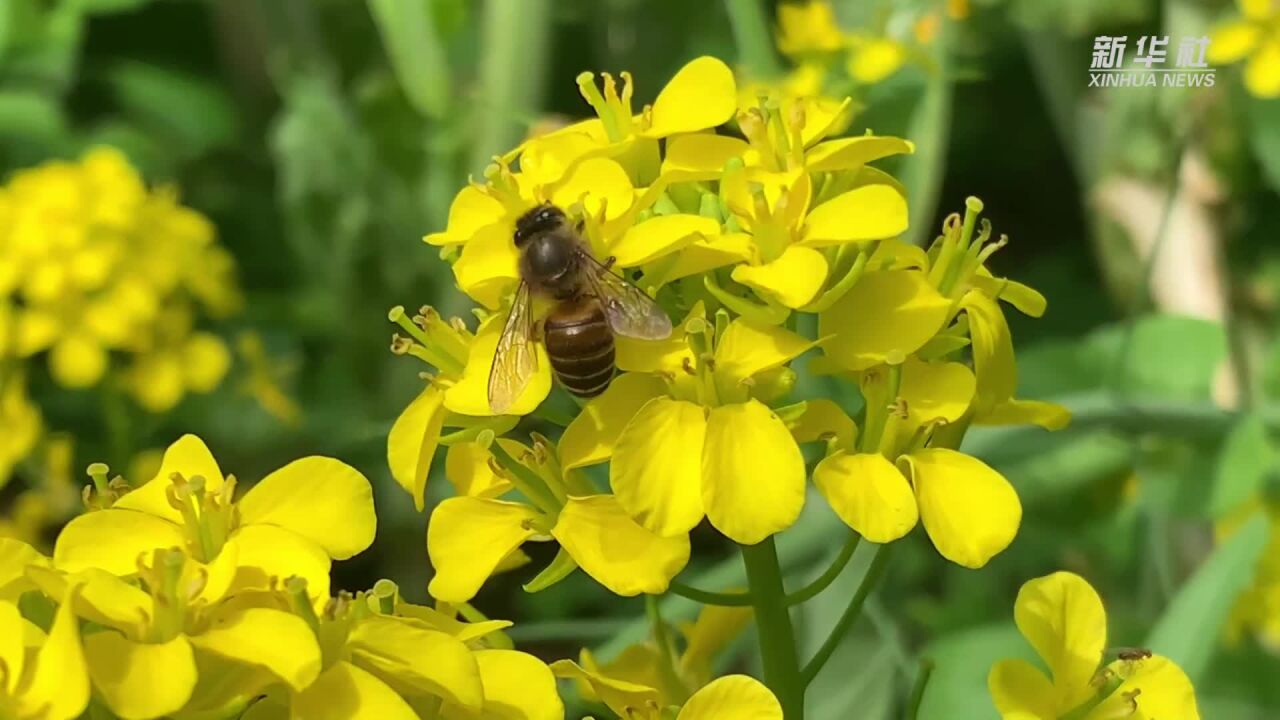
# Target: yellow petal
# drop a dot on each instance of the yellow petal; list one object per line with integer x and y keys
{"x": 1156, "y": 685}
{"x": 713, "y": 630}
{"x": 618, "y": 553}
{"x": 1262, "y": 73}
{"x": 1232, "y": 42}
{"x": 591, "y": 437}
{"x": 190, "y": 457}
{"x": 619, "y": 695}
{"x": 885, "y": 313}
{"x": 137, "y": 680}
{"x": 937, "y": 391}
{"x": 468, "y": 467}
{"x": 702, "y": 95}
{"x": 1050, "y": 416}
{"x": 546, "y": 159}
{"x": 993, "y": 359}
{"x": 321, "y": 499}
{"x": 852, "y": 153}
{"x": 660, "y": 236}
{"x": 467, "y": 538}
{"x": 1021, "y": 692}
{"x": 1028, "y": 300}
{"x": 279, "y": 641}
{"x": 700, "y": 156}
{"x": 345, "y": 692}
{"x": 487, "y": 269}
{"x": 747, "y": 348}
{"x": 870, "y": 212}
{"x": 101, "y": 598}
{"x": 869, "y": 494}
{"x": 793, "y": 279}
{"x": 876, "y": 59}
{"x": 412, "y": 442}
{"x": 752, "y": 472}
{"x": 12, "y": 648}
{"x": 656, "y": 471}
{"x": 471, "y": 210}
{"x": 59, "y": 682}
{"x": 205, "y": 361}
{"x": 15, "y": 556}
{"x": 518, "y": 686}
{"x": 705, "y": 254}
{"x": 267, "y": 555}
{"x": 112, "y": 540}
{"x": 823, "y": 418}
{"x": 77, "y": 361}
{"x": 732, "y": 697}
{"x": 969, "y": 510}
{"x": 1061, "y": 616}
{"x": 600, "y": 184}
{"x": 470, "y": 395}
{"x": 403, "y": 654}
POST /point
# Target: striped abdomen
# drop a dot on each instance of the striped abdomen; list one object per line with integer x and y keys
{"x": 580, "y": 347}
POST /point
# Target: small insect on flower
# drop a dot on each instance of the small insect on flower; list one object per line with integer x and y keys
{"x": 591, "y": 305}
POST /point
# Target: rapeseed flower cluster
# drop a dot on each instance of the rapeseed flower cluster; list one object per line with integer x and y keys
{"x": 768, "y": 241}
{"x": 830, "y": 58}
{"x": 176, "y": 598}
{"x": 1254, "y": 39}
{"x": 93, "y": 263}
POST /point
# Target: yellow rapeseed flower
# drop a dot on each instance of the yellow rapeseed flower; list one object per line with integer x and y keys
{"x": 1254, "y": 36}
{"x": 292, "y": 522}
{"x": 687, "y": 435}
{"x": 20, "y": 419}
{"x": 470, "y": 536}
{"x": 388, "y": 660}
{"x": 1062, "y": 617}
{"x": 161, "y": 633}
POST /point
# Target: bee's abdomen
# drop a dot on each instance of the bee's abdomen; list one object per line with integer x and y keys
{"x": 580, "y": 347}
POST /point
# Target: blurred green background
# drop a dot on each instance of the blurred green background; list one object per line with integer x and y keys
{"x": 323, "y": 138}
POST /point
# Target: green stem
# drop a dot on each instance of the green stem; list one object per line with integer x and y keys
{"x": 811, "y": 590}
{"x": 709, "y": 597}
{"x": 677, "y": 693}
{"x": 917, "y": 691}
{"x": 508, "y": 86}
{"x": 851, "y": 613}
{"x": 753, "y": 38}
{"x": 773, "y": 626}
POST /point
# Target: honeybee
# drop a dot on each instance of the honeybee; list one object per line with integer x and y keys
{"x": 591, "y": 305}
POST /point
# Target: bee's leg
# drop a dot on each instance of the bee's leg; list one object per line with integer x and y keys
{"x": 609, "y": 261}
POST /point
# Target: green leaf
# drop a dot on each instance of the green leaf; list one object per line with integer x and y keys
{"x": 408, "y": 29}
{"x": 1247, "y": 459}
{"x": 1264, "y": 134}
{"x": 1190, "y": 630}
{"x": 193, "y": 113}
{"x": 31, "y": 117}
{"x": 958, "y": 688}
{"x": 1168, "y": 356}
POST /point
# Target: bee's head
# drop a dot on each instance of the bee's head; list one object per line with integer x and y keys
{"x": 540, "y": 219}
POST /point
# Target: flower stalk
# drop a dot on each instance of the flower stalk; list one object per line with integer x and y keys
{"x": 773, "y": 626}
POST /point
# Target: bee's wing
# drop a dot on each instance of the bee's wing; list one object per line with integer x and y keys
{"x": 516, "y": 359}
{"x": 629, "y": 310}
